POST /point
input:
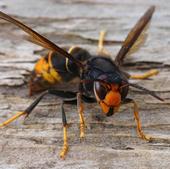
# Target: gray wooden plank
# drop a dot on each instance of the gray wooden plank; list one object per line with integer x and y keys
{"x": 110, "y": 142}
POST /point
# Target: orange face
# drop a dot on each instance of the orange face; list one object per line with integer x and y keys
{"x": 108, "y": 96}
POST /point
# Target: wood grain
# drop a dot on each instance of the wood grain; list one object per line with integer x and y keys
{"x": 111, "y": 142}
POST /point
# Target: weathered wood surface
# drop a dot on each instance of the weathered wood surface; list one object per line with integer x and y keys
{"x": 110, "y": 142}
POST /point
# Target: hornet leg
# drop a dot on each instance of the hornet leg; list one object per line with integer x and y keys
{"x": 81, "y": 115}
{"x": 71, "y": 100}
{"x": 80, "y": 108}
{"x": 146, "y": 75}
{"x": 65, "y": 148}
{"x": 101, "y": 50}
{"x": 25, "y": 112}
{"x": 28, "y": 110}
{"x": 136, "y": 115}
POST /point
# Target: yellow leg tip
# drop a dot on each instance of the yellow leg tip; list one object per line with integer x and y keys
{"x": 82, "y": 129}
{"x": 153, "y": 72}
{"x": 64, "y": 152}
{"x": 12, "y": 119}
{"x": 146, "y": 137}
{"x": 1, "y": 125}
{"x": 146, "y": 75}
{"x": 82, "y": 135}
{"x": 143, "y": 136}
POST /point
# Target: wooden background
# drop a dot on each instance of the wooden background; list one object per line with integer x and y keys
{"x": 111, "y": 142}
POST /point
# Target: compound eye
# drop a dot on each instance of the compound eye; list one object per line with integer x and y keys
{"x": 100, "y": 89}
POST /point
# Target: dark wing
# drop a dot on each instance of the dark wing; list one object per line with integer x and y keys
{"x": 139, "y": 42}
{"x": 134, "y": 35}
{"x": 39, "y": 39}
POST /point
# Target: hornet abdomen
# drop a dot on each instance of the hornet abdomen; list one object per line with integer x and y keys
{"x": 53, "y": 69}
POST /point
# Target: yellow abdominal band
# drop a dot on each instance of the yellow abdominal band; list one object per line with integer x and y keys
{"x": 46, "y": 70}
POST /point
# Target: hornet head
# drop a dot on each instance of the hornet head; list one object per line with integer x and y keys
{"x": 108, "y": 96}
